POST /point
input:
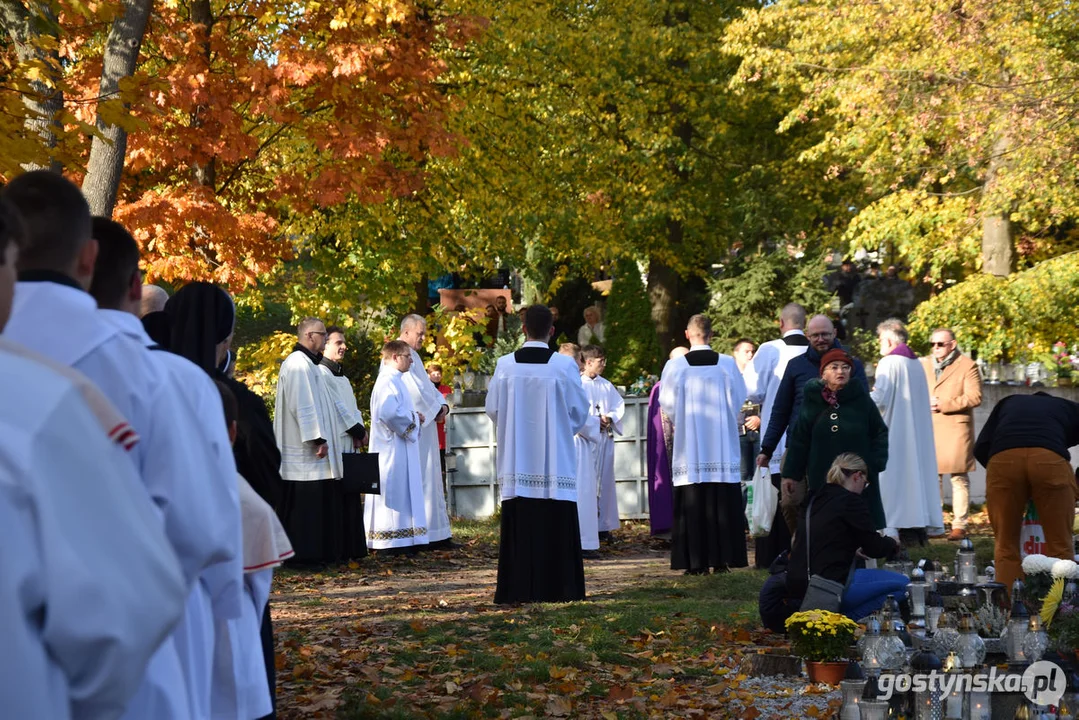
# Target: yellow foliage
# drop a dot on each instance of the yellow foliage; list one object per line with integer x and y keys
{"x": 258, "y": 363}
{"x": 451, "y": 340}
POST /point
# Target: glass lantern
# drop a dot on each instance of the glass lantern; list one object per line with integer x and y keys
{"x": 852, "y": 698}
{"x": 956, "y": 702}
{"x": 928, "y": 703}
{"x": 980, "y": 706}
{"x": 918, "y": 590}
{"x": 970, "y": 647}
{"x": 1016, "y": 631}
{"x": 934, "y": 608}
{"x": 869, "y": 646}
{"x": 965, "y": 571}
{"x": 1036, "y": 641}
{"x": 874, "y": 709}
{"x": 892, "y": 652}
{"x": 946, "y": 637}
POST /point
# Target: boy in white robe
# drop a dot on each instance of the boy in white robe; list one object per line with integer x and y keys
{"x": 909, "y": 488}
{"x": 703, "y": 393}
{"x": 395, "y": 519}
{"x": 585, "y": 443}
{"x": 429, "y": 402}
{"x": 537, "y": 404}
{"x": 240, "y": 686}
{"x": 218, "y": 594}
{"x": 607, "y": 404}
{"x": 54, "y": 315}
{"x": 75, "y": 524}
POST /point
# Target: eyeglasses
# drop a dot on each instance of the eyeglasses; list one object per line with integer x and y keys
{"x": 821, "y": 336}
{"x": 316, "y": 332}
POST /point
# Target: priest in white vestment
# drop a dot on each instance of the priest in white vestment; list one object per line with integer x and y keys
{"x": 703, "y": 393}
{"x": 429, "y": 402}
{"x": 240, "y": 684}
{"x": 537, "y": 405}
{"x": 75, "y": 523}
{"x": 350, "y": 434}
{"x": 605, "y": 403}
{"x": 909, "y": 488}
{"x": 763, "y": 376}
{"x": 585, "y": 443}
{"x": 218, "y": 595}
{"x": 54, "y": 315}
{"x": 395, "y": 520}
{"x": 312, "y": 506}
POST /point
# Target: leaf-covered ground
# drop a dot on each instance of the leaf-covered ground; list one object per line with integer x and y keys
{"x": 395, "y": 637}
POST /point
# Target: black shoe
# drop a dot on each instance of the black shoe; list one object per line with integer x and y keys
{"x": 605, "y": 536}
{"x": 696, "y": 572}
{"x": 447, "y": 544}
{"x": 591, "y": 554}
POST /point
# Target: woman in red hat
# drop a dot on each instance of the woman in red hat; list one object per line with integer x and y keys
{"x": 837, "y": 416}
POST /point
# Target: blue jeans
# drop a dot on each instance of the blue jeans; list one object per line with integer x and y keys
{"x": 868, "y": 590}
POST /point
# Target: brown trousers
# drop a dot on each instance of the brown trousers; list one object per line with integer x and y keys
{"x": 1012, "y": 478}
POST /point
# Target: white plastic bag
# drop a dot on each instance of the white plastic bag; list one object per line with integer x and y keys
{"x": 761, "y": 510}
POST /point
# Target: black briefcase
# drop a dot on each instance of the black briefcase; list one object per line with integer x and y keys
{"x": 361, "y": 474}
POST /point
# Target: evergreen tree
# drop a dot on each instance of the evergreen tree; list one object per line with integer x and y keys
{"x": 631, "y": 342}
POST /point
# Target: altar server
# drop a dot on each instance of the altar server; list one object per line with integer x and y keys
{"x": 909, "y": 488}
{"x": 75, "y": 523}
{"x": 395, "y": 519}
{"x": 350, "y": 434}
{"x": 240, "y": 688}
{"x": 703, "y": 393}
{"x": 585, "y": 443}
{"x": 537, "y": 404}
{"x": 218, "y": 594}
{"x": 54, "y": 315}
{"x": 607, "y": 404}
{"x": 430, "y": 403}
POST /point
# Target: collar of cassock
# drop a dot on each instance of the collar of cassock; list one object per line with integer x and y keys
{"x": 334, "y": 367}
{"x": 316, "y": 359}
{"x": 49, "y": 276}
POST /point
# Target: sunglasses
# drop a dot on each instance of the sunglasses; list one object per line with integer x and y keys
{"x": 941, "y": 344}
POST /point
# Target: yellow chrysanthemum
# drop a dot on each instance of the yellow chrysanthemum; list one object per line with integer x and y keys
{"x": 1052, "y": 601}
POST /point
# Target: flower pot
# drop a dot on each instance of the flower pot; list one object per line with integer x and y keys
{"x": 1064, "y": 382}
{"x": 829, "y": 673}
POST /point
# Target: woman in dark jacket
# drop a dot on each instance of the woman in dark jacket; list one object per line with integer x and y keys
{"x": 840, "y": 527}
{"x": 837, "y": 416}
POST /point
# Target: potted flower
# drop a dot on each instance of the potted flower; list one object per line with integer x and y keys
{"x": 823, "y": 640}
{"x": 1059, "y": 610}
{"x": 1063, "y": 362}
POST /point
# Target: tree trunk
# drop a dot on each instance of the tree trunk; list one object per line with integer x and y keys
{"x": 102, "y": 182}
{"x": 202, "y": 14}
{"x": 26, "y": 28}
{"x": 997, "y": 247}
{"x": 664, "y": 288}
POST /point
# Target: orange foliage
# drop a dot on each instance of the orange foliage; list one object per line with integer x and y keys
{"x": 282, "y": 110}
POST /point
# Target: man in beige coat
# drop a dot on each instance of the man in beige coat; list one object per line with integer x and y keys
{"x": 955, "y": 389}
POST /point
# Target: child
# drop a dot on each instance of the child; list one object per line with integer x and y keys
{"x": 396, "y": 520}
{"x": 587, "y": 481}
{"x": 243, "y": 671}
{"x": 604, "y": 402}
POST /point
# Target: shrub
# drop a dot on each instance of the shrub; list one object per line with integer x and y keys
{"x": 630, "y": 341}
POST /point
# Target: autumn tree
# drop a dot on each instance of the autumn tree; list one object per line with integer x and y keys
{"x": 958, "y": 119}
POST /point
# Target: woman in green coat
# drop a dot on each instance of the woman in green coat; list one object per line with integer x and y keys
{"x": 837, "y": 416}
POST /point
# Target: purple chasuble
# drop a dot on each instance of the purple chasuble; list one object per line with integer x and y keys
{"x": 660, "y": 488}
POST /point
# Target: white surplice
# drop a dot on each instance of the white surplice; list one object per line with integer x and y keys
{"x": 909, "y": 488}
{"x": 60, "y": 320}
{"x": 303, "y": 413}
{"x": 427, "y": 400}
{"x": 603, "y": 399}
{"x": 763, "y": 376}
{"x": 703, "y": 403}
{"x": 585, "y": 443}
{"x": 396, "y": 518}
{"x": 219, "y": 595}
{"x": 345, "y": 413}
{"x": 537, "y": 409}
{"x": 90, "y": 587}
{"x": 240, "y": 689}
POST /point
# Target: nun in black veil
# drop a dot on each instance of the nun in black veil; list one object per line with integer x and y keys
{"x": 201, "y": 322}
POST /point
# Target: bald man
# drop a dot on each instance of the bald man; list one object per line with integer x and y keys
{"x": 155, "y": 321}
